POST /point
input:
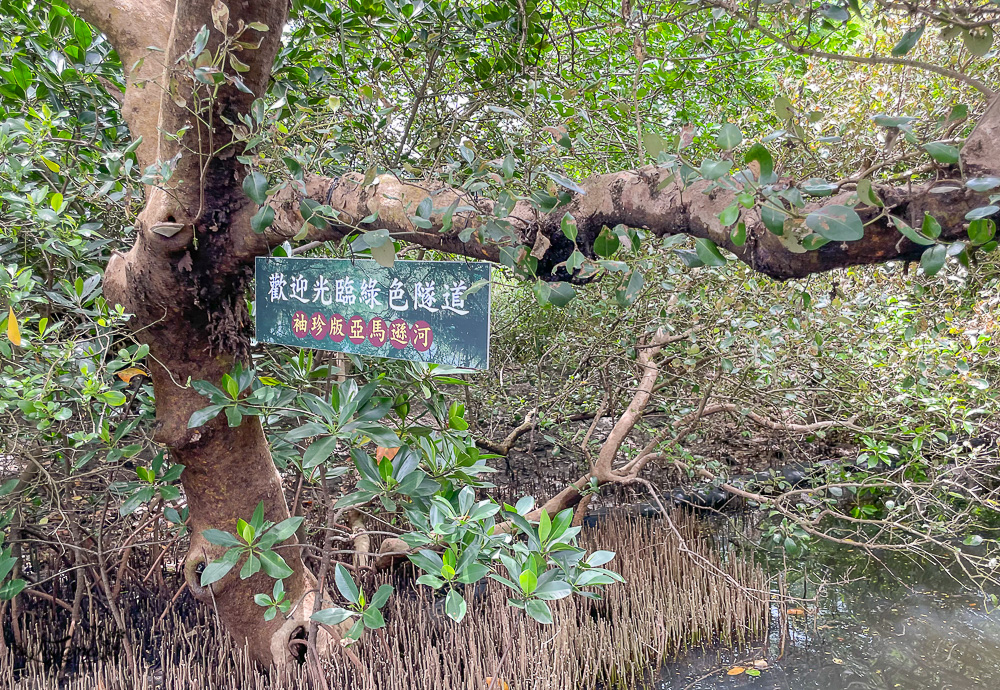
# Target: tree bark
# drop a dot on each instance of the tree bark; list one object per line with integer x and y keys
{"x": 187, "y": 294}
{"x": 644, "y": 198}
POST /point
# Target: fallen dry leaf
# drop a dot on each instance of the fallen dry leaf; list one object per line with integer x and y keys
{"x": 760, "y": 664}
{"x": 735, "y": 671}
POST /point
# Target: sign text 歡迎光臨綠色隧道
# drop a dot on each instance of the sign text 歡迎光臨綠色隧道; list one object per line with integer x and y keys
{"x": 424, "y": 311}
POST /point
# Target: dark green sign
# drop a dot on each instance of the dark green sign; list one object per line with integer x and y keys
{"x": 424, "y": 311}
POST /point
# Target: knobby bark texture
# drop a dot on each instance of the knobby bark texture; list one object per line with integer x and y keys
{"x": 186, "y": 275}
{"x": 646, "y": 198}
{"x": 186, "y": 289}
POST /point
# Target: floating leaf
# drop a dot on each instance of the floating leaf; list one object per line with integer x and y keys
{"x": 837, "y": 223}
{"x": 735, "y": 671}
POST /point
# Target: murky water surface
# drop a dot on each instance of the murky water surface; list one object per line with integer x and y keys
{"x": 912, "y": 628}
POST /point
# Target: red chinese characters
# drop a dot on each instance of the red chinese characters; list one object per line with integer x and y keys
{"x": 300, "y": 324}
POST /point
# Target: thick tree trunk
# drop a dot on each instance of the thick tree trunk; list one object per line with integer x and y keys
{"x": 182, "y": 282}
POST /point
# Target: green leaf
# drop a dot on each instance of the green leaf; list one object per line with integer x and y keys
{"x": 319, "y": 451}
{"x": 713, "y": 170}
{"x": 255, "y": 187}
{"x": 382, "y": 595}
{"x": 333, "y": 616}
{"x": 216, "y": 570}
{"x": 933, "y": 258}
{"x": 978, "y": 41}
{"x": 983, "y": 184}
{"x": 630, "y": 293}
{"x": 729, "y": 215}
{"x": 568, "y": 226}
{"x": 817, "y": 186}
{"x": 564, "y": 181}
{"x": 220, "y": 538}
{"x": 836, "y": 223}
{"x": 280, "y": 532}
{"x": 762, "y": 156}
{"x": 908, "y": 41}
{"x": 455, "y": 606}
{"x": 981, "y": 212}
{"x": 200, "y": 417}
{"x": 867, "y": 195}
{"x": 892, "y": 121}
{"x": 773, "y": 219}
{"x": 544, "y": 526}
{"x": 263, "y": 219}
{"x": 982, "y": 231}
{"x": 528, "y": 581}
{"x": 739, "y": 234}
{"x": 729, "y": 137}
{"x": 274, "y": 565}
{"x": 11, "y": 588}
{"x": 373, "y": 619}
{"x": 250, "y": 568}
{"x": 783, "y": 108}
{"x": 941, "y": 152}
{"x": 930, "y": 227}
{"x": 709, "y": 252}
{"x": 345, "y": 584}
{"x": 607, "y": 243}
{"x": 561, "y": 293}
{"x": 553, "y": 589}
{"x": 910, "y": 233}
{"x": 540, "y": 611}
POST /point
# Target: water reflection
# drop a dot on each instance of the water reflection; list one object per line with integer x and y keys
{"x": 906, "y": 628}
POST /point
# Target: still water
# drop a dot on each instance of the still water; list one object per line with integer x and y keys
{"x": 905, "y": 627}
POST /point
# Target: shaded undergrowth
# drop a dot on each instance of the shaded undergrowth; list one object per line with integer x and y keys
{"x": 678, "y": 593}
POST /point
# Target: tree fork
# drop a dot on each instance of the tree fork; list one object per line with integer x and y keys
{"x": 188, "y": 297}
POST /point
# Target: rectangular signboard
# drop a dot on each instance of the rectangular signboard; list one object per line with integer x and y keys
{"x": 424, "y": 311}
